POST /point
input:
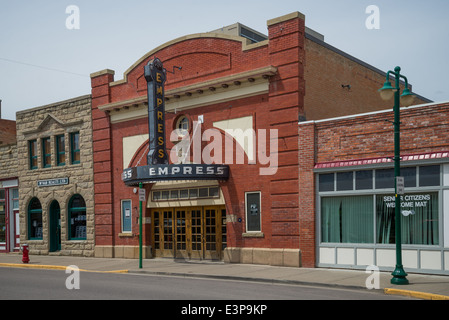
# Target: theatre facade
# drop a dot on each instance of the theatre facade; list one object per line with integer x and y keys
{"x": 225, "y": 188}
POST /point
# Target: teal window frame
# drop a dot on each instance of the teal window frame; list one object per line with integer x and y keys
{"x": 126, "y": 216}
{"x": 75, "y": 149}
{"x": 32, "y": 213}
{"x": 46, "y": 154}
{"x": 75, "y": 218}
{"x": 32, "y": 152}
{"x": 59, "y": 152}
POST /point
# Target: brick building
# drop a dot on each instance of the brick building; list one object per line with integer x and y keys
{"x": 217, "y": 84}
{"x": 55, "y": 174}
{"x": 346, "y": 164}
{"x": 9, "y": 192}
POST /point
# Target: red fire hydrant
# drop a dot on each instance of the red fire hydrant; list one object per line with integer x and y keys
{"x": 25, "y": 257}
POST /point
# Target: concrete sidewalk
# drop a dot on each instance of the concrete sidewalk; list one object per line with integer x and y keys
{"x": 421, "y": 286}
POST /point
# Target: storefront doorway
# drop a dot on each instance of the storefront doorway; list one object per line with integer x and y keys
{"x": 9, "y": 217}
{"x": 190, "y": 232}
{"x": 55, "y": 227}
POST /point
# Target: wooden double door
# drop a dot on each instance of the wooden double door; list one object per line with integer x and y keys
{"x": 189, "y": 233}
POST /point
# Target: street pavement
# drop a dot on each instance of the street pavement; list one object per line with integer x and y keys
{"x": 428, "y": 287}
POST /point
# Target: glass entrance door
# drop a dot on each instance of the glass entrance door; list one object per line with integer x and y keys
{"x": 189, "y": 233}
{"x": 55, "y": 227}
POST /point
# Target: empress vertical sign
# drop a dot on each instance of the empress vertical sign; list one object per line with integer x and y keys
{"x": 155, "y": 75}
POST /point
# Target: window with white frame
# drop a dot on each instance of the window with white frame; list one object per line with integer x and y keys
{"x": 359, "y": 206}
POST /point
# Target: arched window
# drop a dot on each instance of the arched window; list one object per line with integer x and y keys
{"x": 35, "y": 220}
{"x": 182, "y": 125}
{"x": 77, "y": 218}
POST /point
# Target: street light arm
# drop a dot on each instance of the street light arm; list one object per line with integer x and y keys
{"x": 405, "y": 80}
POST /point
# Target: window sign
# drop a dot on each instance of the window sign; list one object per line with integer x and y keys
{"x": 126, "y": 216}
{"x": 253, "y": 213}
{"x": 419, "y": 219}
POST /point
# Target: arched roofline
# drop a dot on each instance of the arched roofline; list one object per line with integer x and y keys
{"x": 246, "y": 45}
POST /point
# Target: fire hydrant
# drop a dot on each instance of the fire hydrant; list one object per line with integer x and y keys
{"x": 25, "y": 257}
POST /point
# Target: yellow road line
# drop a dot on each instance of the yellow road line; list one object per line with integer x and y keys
{"x": 51, "y": 267}
{"x": 416, "y": 294}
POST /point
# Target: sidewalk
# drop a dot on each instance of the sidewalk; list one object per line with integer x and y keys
{"x": 421, "y": 286}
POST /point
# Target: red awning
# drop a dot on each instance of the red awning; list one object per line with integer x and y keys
{"x": 371, "y": 161}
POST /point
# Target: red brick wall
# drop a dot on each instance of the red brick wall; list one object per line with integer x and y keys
{"x": 101, "y": 138}
{"x": 7, "y": 132}
{"x": 307, "y": 149}
{"x": 423, "y": 129}
{"x": 326, "y": 71}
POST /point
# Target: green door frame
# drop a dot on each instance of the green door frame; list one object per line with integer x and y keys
{"x": 55, "y": 227}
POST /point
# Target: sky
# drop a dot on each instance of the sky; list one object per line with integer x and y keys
{"x": 42, "y": 61}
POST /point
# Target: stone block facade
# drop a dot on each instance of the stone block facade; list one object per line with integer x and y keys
{"x": 62, "y": 185}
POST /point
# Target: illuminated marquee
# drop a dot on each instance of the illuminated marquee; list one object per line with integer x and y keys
{"x": 153, "y": 174}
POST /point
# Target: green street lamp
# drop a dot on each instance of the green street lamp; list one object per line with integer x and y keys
{"x": 386, "y": 93}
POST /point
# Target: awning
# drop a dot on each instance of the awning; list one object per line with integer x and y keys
{"x": 373, "y": 161}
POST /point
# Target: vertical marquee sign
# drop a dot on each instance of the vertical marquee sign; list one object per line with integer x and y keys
{"x": 158, "y": 167}
{"x": 155, "y": 74}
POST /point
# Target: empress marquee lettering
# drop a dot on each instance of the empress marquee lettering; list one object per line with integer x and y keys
{"x": 155, "y": 76}
{"x": 186, "y": 170}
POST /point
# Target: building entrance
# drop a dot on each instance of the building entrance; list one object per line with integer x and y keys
{"x": 190, "y": 232}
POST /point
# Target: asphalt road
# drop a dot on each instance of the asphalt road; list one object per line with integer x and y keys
{"x": 23, "y": 284}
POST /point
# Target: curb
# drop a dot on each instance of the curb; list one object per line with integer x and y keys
{"x": 249, "y": 279}
{"x": 50, "y": 267}
{"x": 389, "y": 291}
{"x": 415, "y": 294}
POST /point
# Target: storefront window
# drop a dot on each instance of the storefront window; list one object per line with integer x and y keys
{"x": 347, "y": 219}
{"x": 345, "y": 181}
{"x": 429, "y": 176}
{"x": 35, "y": 220}
{"x": 326, "y": 182}
{"x": 384, "y": 178}
{"x": 409, "y": 175}
{"x": 419, "y": 219}
{"x": 77, "y": 218}
{"x": 2, "y": 216}
{"x": 364, "y": 180}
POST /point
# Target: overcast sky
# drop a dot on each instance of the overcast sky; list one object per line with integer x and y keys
{"x": 42, "y": 61}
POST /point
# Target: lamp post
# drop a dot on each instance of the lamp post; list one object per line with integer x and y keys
{"x": 387, "y": 92}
